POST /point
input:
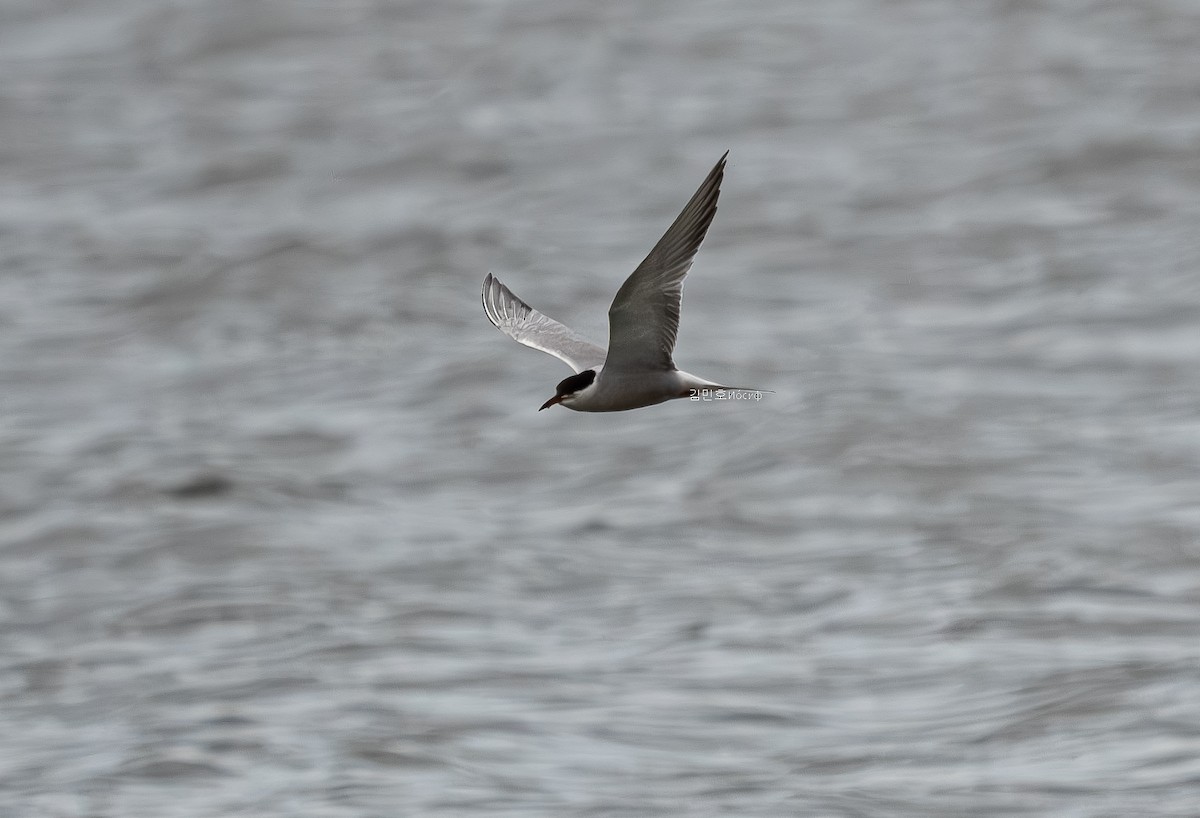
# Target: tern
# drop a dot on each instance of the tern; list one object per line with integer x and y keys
{"x": 637, "y": 369}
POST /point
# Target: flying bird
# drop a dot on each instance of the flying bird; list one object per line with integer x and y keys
{"x": 637, "y": 369}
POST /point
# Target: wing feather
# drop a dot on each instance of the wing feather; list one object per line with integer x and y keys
{"x": 643, "y": 320}
{"x": 527, "y": 326}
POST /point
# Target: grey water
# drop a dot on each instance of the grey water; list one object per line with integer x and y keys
{"x": 282, "y": 532}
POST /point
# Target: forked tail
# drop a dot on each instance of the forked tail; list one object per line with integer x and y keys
{"x": 695, "y": 386}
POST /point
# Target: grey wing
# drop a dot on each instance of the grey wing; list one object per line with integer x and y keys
{"x": 527, "y": 326}
{"x": 644, "y": 317}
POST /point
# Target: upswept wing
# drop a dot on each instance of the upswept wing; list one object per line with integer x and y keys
{"x": 644, "y": 317}
{"x": 527, "y": 326}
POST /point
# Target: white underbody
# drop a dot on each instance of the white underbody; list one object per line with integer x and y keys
{"x": 618, "y": 391}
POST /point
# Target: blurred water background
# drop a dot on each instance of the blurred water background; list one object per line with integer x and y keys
{"x": 282, "y": 532}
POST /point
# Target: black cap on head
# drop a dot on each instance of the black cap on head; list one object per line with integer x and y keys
{"x": 570, "y": 386}
{"x": 575, "y": 383}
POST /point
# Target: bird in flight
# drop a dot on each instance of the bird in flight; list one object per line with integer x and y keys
{"x": 637, "y": 369}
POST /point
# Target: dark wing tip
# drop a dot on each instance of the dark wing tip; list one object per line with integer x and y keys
{"x": 501, "y": 305}
{"x": 494, "y": 306}
{"x": 719, "y": 168}
{"x": 487, "y": 307}
{"x": 682, "y": 240}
